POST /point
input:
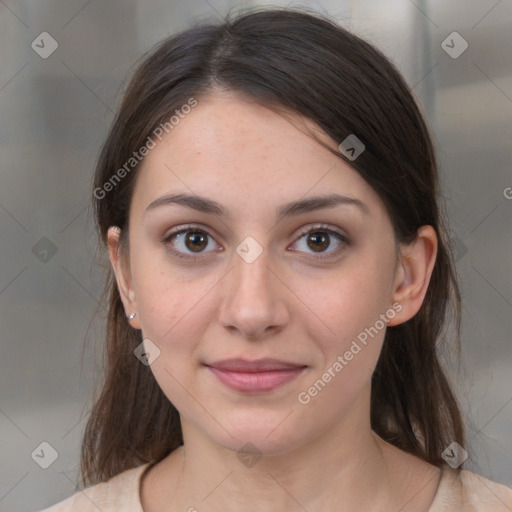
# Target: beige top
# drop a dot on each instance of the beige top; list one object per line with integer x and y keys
{"x": 468, "y": 493}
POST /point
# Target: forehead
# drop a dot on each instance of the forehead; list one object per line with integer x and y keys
{"x": 234, "y": 149}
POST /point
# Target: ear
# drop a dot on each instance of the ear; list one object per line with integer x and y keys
{"x": 122, "y": 274}
{"x": 416, "y": 263}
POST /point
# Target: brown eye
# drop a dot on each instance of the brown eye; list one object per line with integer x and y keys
{"x": 188, "y": 242}
{"x": 318, "y": 241}
{"x": 196, "y": 241}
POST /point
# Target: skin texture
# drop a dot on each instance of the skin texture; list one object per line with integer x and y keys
{"x": 286, "y": 304}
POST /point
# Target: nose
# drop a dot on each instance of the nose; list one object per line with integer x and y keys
{"x": 254, "y": 299}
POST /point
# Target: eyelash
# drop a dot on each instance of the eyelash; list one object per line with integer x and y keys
{"x": 320, "y": 228}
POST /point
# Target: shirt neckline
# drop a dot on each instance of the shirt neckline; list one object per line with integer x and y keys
{"x": 446, "y": 474}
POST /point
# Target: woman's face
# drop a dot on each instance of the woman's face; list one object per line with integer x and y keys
{"x": 251, "y": 277}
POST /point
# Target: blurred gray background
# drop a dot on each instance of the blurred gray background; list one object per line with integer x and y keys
{"x": 55, "y": 109}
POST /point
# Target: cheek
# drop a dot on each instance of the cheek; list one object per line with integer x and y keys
{"x": 173, "y": 315}
{"x": 175, "y": 310}
{"x": 164, "y": 297}
{"x": 350, "y": 342}
{"x": 343, "y": 319}
{"x": 342, "y": 305}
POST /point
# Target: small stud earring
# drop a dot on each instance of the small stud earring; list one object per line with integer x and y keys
{"x": 132, "y": 316}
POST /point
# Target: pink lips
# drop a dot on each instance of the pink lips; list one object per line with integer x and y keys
{"x": 254, "y": 376}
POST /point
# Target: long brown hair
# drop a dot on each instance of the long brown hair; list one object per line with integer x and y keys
{"x": 304, "y": 63}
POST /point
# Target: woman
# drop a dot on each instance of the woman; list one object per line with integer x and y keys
{"x": 268, "y": 194}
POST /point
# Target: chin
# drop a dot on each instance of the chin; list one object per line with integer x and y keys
{"x": 258, "y": 445}
{"x": 260, "y": 439}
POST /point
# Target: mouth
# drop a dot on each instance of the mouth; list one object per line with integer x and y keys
{"x": 255, "y": 376}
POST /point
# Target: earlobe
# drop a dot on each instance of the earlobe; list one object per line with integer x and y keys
{"x": 122, "y": 275}
{"x": 416, "y": 264}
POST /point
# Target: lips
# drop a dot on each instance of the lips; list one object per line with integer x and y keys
{"x": 255, "y": 376}
{"x": 261, "y": 365}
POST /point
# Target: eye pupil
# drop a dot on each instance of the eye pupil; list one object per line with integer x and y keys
{"x": 196, "y": 237}
{"x": 316, "y": 238}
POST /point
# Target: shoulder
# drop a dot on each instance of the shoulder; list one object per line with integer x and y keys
{"x": 470, "y": 492}
{"x": 121, "y": 492}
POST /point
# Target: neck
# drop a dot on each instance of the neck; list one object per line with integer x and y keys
{"x": 332, "y": 472}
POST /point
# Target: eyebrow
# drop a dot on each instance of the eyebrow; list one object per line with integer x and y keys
{"x": 205, "y": 205}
